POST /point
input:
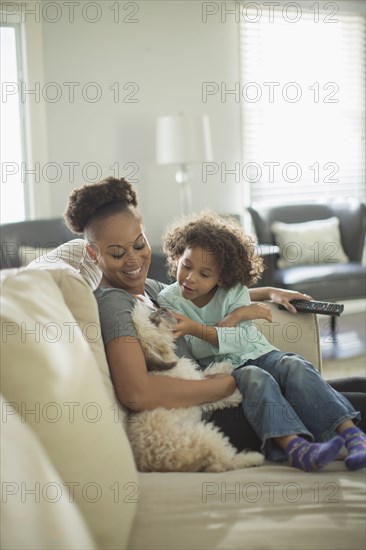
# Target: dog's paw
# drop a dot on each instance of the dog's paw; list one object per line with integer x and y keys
{"x": 234, "y": 399}
{"x": 231, "y": 401}
{"x": 217, "y": 368}
{"x": 248, "y": 459}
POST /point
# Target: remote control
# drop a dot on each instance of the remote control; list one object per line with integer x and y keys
{"x": 325, "y": 308}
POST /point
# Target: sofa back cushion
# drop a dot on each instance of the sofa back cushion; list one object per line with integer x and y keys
{"x": 50, "y": 377}
{"x": 40, "y": 499}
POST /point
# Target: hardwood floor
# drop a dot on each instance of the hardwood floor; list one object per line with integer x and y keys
{"x": 348, "y": 356}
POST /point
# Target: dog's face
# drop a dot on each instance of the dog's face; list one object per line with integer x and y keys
{"x": 165, "y": 321}
{"x": 155, "y": 333}
{"x": 163, "y": 318}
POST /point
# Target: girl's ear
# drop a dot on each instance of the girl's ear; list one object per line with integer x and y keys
{"x": 219, "y": 283}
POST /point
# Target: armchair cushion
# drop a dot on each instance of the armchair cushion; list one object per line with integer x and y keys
{"x": 312, "y": 242}
{"x": 325, "y": 282}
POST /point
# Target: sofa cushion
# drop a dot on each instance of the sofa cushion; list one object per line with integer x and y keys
{"x": 50, "y": 377}
{"x": 313, "y": 242}
{"x": 271, "y": 507}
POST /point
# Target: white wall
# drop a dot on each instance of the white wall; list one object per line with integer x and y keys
{"x": 168, "y": 53}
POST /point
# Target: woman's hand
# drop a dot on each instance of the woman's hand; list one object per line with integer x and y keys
{"x": 227, "y": 379}
{"x": 246, "y": 313}
{"x": 283, "y": 297}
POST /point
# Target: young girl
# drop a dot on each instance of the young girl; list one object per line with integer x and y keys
{"x": 286, "y": 401}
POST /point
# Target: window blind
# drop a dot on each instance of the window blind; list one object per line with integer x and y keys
{"x": 302, "y": 102}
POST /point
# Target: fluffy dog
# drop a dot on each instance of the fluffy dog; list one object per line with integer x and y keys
{"x": 177, "y": 440}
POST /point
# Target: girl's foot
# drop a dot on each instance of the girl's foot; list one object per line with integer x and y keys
{"x": 355, "y": 441}
{"x": 310, "y": 457}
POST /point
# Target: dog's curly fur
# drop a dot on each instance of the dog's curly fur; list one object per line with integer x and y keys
{"x": 177, "y": 440}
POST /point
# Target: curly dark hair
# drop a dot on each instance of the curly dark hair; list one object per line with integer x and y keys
{"x": 221, "y": 236}
{"x": 95, "y": 202}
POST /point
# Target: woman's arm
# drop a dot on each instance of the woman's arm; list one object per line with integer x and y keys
{"x": 138, "y": 390}
{"x": 278, "y": 295}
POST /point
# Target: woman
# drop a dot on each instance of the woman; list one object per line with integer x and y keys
{"x": 106, "y": 214}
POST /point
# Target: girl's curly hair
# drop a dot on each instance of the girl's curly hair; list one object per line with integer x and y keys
{"x": 91, "y": 203}
{"x": 223, "y": 237}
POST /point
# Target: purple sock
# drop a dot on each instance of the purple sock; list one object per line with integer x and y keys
{"x": 355, "y": 441}
{"x": 312, "y": 456}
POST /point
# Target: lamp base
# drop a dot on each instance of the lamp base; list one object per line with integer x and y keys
{"x": 183, "y": 179}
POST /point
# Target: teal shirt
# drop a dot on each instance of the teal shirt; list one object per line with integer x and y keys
{"x": 237, "y": 344}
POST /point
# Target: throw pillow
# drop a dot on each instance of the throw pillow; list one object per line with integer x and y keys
{"x": 28, "y": 254}
{"x": 72, "y": 253}
{"x": 314, "y": 242}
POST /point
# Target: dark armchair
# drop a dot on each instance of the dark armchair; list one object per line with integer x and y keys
{"x": 37, "y": 234}
{"x": 328, "y": 280}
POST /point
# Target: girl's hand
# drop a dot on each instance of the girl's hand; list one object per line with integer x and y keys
{"x": 188, "y": 326}
{"x": 246, "y": 313}
{"x": 283, "y": 296}
{"x": 184, "y": 326}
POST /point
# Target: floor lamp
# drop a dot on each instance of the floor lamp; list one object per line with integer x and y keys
{"x": 183, "y": 140}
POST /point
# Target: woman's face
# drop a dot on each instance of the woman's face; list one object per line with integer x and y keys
{"x": 123, "y": 252}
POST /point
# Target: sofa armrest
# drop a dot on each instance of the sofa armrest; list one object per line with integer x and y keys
{"x": 297, "y": 333}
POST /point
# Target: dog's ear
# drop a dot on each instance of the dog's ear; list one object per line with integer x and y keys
{"x": 157, "y": 365}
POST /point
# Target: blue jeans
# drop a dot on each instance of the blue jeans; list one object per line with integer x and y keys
{"x": 283, "y": 394}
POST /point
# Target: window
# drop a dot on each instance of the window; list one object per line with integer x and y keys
{"x": 12, "y": 133}
{"x": 302, "y": 98}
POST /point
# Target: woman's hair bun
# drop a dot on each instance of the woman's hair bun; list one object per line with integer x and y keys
{"x": 85, "y": 201}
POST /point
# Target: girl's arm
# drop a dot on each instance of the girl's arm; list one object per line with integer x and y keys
{"x": 278, "y": 295}
{"x": 185, "y": 325}
{"x": 138, "y": 390}
{"x": 246, "y": 313}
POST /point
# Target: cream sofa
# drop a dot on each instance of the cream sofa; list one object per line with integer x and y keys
{"x": 68, "y": 474}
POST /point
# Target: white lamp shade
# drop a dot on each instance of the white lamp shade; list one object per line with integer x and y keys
{"x": 183, "y": 139}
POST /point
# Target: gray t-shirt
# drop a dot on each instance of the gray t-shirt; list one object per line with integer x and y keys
{"x": 115, "y": 309}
